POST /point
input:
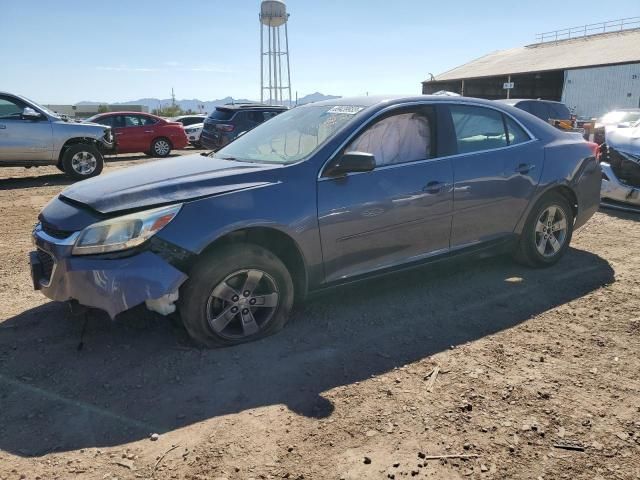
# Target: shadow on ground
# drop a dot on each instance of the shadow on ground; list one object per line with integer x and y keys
{"x": 622, "y": 214}
{"x": 141, "y": 375}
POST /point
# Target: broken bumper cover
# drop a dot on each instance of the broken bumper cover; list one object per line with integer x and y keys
{"x": 107, "y": 283}
{"x": 614, "y": 191}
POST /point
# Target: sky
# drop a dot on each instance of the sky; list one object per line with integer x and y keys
{"x": 67, "y": 51}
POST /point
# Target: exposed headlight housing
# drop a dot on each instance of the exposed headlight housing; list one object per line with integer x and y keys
{"x": 191, "y": 130}
{"x": 122, "y": 233}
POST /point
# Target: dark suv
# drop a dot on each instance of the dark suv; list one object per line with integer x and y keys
{"x": 225, "y": 123}
{"x": 555, "y": 113}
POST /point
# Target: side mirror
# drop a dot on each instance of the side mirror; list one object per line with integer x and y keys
{"x": 351, "y": 162}
{"x": 30, "y": 114}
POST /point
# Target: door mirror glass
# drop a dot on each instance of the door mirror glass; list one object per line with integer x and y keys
{"x": 351, "y": 162}
{"x": 30, "y": 114}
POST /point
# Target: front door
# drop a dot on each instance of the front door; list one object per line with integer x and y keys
{"x": 132, "y": 134}
{"x": 23, "y": 139}
{"x": 496, "y": 172}
{"x": 400, "y": 211}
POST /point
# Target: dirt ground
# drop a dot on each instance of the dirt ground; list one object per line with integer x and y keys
{"x": 488, "y": 360}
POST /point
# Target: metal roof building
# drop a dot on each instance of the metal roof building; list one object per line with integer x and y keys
{"x": 590, "y": 72}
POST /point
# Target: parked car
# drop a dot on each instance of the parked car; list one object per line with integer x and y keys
{"x": 33, "y": 136}
{"x": 143, "y": 132}
{"x": 555, "y": 113}
{"x": 188, "y": 120}
{"x": 621, "y": 118}
{"x": 323, "y": 194}
{"x": 193, "y": 134}
{"x": 225, "y": 123}
{"x": 620, "y": 157}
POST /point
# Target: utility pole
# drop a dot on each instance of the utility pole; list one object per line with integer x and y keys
{"x": 173, "y": 98}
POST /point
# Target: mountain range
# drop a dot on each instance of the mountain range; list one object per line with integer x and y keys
{"x": 206, "y": 105}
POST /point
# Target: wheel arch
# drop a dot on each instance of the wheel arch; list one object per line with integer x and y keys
{"x": 76, "y": 141}
{"x": 277, "y": 242}
{"x": 565, "y": 190}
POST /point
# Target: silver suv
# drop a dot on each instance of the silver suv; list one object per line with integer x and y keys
{"x": 32, "y": 136}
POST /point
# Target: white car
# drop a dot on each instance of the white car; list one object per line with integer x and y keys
{"x": 193, "y": 134}
{"x": 192, "y": 126}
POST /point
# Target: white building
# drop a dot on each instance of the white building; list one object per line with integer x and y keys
{"x": 591, "y": 73}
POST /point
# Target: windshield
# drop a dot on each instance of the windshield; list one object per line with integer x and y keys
{"x": 290, "y": 136}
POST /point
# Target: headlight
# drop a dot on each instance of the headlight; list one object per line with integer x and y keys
{"x": 124, "y": 232}
{"x": 191, "y": 130}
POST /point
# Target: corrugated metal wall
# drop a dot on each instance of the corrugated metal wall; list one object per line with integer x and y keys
{"x": 594, "y": 91}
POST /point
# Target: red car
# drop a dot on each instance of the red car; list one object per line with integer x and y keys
{"x": 142, "y": 132}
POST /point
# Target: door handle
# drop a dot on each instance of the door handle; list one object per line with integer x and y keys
{"x": 524, "y": 168}
{"x": 118, "y": 133}
{"x": 148, "y": 131}
{"x": 3, "y": 127}
{"x": 433, "y": 187}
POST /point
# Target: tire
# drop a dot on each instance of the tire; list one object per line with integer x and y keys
{"x": 214, "y": 305}
{"x": 536, "y": 250}
{"x": 160, "y": 147}
{"x": 82, "y": 161}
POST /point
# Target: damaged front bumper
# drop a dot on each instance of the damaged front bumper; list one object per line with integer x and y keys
{"x": 112, "y": 284}
{"x": 620, "y": 180}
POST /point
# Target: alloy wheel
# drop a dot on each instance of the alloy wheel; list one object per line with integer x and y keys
{"x": 84, "y": 163}
{"x": 242, "y": 304}
{"x": 551, "y": 231}
{"x": 162, "y": 147}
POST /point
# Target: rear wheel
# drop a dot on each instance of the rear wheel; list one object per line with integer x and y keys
{"x": 547, "y": 233}
{"x": 236, "y": 294}
{"x": 160, "y": 147}
{"x": 82, "y": 161}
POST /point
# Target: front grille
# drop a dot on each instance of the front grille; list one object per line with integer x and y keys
{"x": 54, "y": 232}
{"x": 47, "y": 262}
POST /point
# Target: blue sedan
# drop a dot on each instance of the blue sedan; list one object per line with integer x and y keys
{"x": 323, "y": 194}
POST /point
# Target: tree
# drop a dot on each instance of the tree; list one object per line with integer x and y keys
{"x": 103, "y": 108}
{"x": 168, "y": 111}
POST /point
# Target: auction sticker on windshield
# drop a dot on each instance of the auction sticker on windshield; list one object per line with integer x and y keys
{"x": 348, "y": 109}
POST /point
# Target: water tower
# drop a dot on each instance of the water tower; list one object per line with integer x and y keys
{"x": 274, "y": 88}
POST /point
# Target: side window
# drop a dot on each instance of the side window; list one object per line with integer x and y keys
{"x": 401, "y": 138}
{"x": 132, "y": 121}
{"x": 255, "y": 116}
{"x": 146, "y": 121}
{"x": 268, "y": 115}
{"x": 515, "y": 133}
{"x": 540, "y": 110}
{"x": 559, "y": 111}
{"x": 477, "y": 128}
{"x": 11, "y": 108}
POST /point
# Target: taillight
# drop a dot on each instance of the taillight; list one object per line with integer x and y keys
{"x": 225, "y": 127}
{"x": 595, "y": 149}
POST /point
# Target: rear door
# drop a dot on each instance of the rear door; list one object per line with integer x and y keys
{"x": 399, "y": 212}
{"x": 496, "y": 171}
{"x": 22, "y": 139}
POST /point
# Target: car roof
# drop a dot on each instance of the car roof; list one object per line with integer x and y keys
{"x": 250, "y": 106}
{"x": 513, "y": 101}
{"x": 375, "y": 100}
{"x": 145, "y": 114}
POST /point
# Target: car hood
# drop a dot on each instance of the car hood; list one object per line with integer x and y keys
{"x": 625, "y": 139}
{"x": 167, "y": 181}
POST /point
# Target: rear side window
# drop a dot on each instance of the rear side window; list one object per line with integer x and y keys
{"x": 559, "y": 111}
{"x": 147, "y": 121}
{"x": 540, "y": 110}
{"x": 515, "y": 133}
{"x": 221, "y": 114}
{"x": 477, "y": 128}
{"x": 255, "y": 116}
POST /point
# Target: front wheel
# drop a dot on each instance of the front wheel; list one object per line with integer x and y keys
{"x": 236, "y": 294}
{"x": 82, "y": 161}
{"x": 161, "y": 147}
{"x": 547, "y": 233}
